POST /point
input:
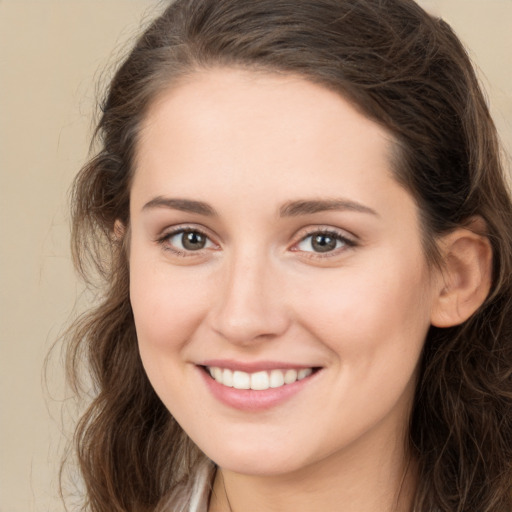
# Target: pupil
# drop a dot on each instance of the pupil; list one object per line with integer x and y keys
{"x": 193, "y": 241}
{"x": 323, "y": 243}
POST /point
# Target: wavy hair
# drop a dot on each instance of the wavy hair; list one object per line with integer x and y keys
{"x": 405, "y": 70}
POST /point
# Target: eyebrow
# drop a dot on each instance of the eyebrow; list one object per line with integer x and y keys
{"x": 308, "y": 207}
{"x": 184, "y": 205}
{"x": 289, "y": 209}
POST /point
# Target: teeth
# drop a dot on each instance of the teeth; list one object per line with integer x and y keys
{"x": 290, "y": 376}
{"x": 276, "y": 379}
{"x": 241, "y": 380}
{"x": 216, "y": 373}
{"x": 259, "y": 380}
{"x": 227, "y": 378}
{"x": 305, "y": 372}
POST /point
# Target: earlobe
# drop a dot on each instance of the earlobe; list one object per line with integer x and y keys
{"x": 466, "y": 275}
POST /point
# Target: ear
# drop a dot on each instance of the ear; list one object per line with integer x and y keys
{"x": 119, "y": 231}
{"x": 466, "y": 275}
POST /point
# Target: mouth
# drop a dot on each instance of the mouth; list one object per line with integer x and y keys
{"x": 259, "y": 380}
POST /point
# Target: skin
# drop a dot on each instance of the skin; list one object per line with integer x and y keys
{"x": 247, "y": 144}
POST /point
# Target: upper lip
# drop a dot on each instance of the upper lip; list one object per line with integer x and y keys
{"x": 252, "y": 367}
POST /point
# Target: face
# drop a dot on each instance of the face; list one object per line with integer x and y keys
{"x": 278, "y": 282}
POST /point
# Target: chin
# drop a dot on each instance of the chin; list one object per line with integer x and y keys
{"x": 258, "y": 460}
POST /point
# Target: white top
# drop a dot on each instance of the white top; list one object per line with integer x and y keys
{"x": 194, "y": 495}
{"x": 202, "y": 488}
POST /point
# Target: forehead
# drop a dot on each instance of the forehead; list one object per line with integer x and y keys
{"x": 261, "y": 133}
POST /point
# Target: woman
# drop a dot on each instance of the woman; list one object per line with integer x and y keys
{"x": 303, "y": 226}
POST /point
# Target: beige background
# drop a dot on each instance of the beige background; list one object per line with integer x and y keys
{"x": 52, "y": 53}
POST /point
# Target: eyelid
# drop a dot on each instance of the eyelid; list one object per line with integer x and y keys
{"x": 163, "y": 237}
{"x": 349, "y": 239}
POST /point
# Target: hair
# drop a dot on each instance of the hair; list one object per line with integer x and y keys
{"x": 408, "y": 72}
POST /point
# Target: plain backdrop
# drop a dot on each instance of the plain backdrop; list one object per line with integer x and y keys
{"x": 53, "y": 53}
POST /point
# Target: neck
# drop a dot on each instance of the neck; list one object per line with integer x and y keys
{"x": 381, "y": 481}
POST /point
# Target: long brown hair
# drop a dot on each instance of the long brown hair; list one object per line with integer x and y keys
{"x": 406, "y": 71}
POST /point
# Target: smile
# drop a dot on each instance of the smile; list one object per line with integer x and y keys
{"x": 258, "y": 381}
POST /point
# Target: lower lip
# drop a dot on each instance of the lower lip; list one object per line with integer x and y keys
{"x": 250, "y": 399}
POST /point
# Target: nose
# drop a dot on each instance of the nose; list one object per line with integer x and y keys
{"x": 251, "y": 305}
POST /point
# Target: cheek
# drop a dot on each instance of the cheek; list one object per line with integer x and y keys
{"x": 368, "y": 308}
{"x": 374, "y": 324}
{"x": 167, "y": 305}
{"x": 167, "y": 310}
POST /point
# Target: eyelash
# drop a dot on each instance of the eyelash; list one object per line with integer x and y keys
{"x": 164, "y": 240}
{"x": 347, "y": 242}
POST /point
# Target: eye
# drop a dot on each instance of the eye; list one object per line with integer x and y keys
{"x": 323, "y": 242}
{"x": 186, "y": 240}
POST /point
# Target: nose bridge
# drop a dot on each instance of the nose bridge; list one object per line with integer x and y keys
{"x": 250, "y": 306}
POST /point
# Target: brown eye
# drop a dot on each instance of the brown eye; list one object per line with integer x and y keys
{"x": 186, "y": 240}
{"x": 323, "y": 242}
{"x": 193, "y": 240}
